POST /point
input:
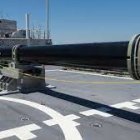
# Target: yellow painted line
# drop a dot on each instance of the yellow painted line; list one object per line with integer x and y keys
{"x": 92, "y": 82}
{"x": 80, "y": 82}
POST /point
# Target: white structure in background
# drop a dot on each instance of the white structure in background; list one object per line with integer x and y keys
{"x": 10, "y": 35}
{"x": 19, "y": 34}
{"x": 7, "y": 27}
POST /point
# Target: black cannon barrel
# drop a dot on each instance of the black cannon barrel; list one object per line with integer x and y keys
{"x": 112, "y": 54}
{"x": 119, "y": 55}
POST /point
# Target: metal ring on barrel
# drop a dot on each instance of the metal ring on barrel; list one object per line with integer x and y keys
{"x": 133, "y": 57}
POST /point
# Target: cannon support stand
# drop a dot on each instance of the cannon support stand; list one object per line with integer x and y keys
{"x": 25, "y": 77}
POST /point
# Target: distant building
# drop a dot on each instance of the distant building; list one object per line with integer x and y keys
{"x": 7, "y": 27}
{"x": 11, "y": 36}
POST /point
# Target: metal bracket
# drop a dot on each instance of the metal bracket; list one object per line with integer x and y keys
{"x": 15, "y": 49}
{"x": 20, "y": 76}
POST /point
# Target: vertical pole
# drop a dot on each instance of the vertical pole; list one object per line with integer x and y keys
{"x": 27, "y": 29}
{"x": 27, "y": 26}
{"x": 48, "y": 19}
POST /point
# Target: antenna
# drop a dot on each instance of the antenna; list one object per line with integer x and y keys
{"x": 48, "y": 18}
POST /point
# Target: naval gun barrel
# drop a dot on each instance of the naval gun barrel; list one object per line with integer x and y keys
{"x": 120, "y": 55}
{"x": 93, "y": 54}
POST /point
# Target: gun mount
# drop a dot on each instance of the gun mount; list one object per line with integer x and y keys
{"x": 27, "y": 63}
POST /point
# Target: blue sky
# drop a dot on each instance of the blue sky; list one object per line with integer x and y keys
{"x": 74, "y": 21}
